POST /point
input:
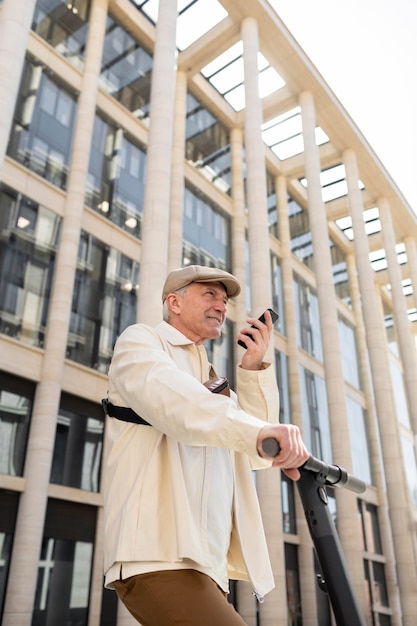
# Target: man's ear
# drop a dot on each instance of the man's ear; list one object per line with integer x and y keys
{"x": 173, "y": 303}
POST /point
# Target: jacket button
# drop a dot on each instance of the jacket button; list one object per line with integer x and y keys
{"x": 242, "y": 446}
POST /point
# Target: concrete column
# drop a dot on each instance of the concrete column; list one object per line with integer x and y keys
{"x": 404, "y": 333}
{"x": 15, "y": 21}
{"x": 177, "y": 174}
{"x": 260, "y": 263}
{"x": 238, "y": 228}
{"x": 32, "y": 506}
{"x": 305, "y": 551}
{"x": 398, "y": 497}
{"x": 335, "y": 385}
{"x": 377, "y": 470}
{"x": 268, "y": 482}
{"x": 155, "y": 225}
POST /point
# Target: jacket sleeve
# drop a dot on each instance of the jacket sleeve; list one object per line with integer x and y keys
{"x": 258, "y": 392}
{"x": 145, "y": 377}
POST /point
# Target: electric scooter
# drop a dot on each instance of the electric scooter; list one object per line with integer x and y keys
{"x": 335, "y": 579}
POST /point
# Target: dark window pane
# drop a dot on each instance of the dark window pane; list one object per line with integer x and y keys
{"x": 104, "y": 302}
{"x": 64, "y": 571}
{"x": 64, "y": 26}
{"x": 206, "y": 233}
{"x": 272, "y": 205}
{"x": 307, "y": 318}
{"x": 301, "y": 241}
{"x": 42, "y": 133}
{"x": 126, "y": 70}
{"x": 281, "y": 367}
{"x": 28, "y": 238}
{"x": 78, "y": 444}
{"x": 207, "y": 144}
{"x": 380, "y": 586}
{"x": 8, "y": 508}
{"x": 116, "y": 177}
{"x": 15, "y": 409}
{"x": 277, "y": 297}
{"x": 288, "y": 505}
{"x": 292, "y": 577}
{"x": 340, "y": 274}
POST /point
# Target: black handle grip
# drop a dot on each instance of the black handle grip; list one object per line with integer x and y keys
{"x": 271, "y": 447}
{"x": 331, "y": 474}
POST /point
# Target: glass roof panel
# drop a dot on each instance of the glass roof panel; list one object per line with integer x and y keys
{"x": 226, "y": 74}
{"x": 283, "y": 134}
{"x": 333, "y": 182}
{"x": 289, "y": 148}
{"x": 228, "y": 77}
{"x": 269, "y": 81}
{"x": 195, "y": 17}
{"x": 223, "y": 59}
{"x": 236, "y": 98}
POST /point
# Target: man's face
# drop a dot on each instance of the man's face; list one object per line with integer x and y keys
{"x": 199, "y": 313}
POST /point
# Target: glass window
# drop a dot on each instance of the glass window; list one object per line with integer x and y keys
{"x": 64, "y": 570}
{"x": 301, "y": 241}
{"x": 281, "y": 367}
{"x": 126, "y": 70}
{"x": 271, "y": 198}
{"x": 374, "y": 564}
{"x": 28, "y": 238}
{"x": 358, "y": 441}
{"x": 104, "y": 302}
{"x": 41, "y": 137}
{"x": 289, "y": 523}
{"x": 207, "y": 144}
{"x": 370, "y": 527}
{"x": 292, "y": 579}
{"x": 316, "y": 427}
{"x": 390, "y": 329}
{"x": 16, "y": 397}
{"x": 350, "y": 362}
{"x": 8, "y": 507}
{"x": 64, "y": 26}
{"x": 78, "y": 444}
{"x": 277, "y": 296}
{"x": 307, "y": 318}
{"x": 116, "y": 177}
{"x": 340, "y": 273}
{"x": 206, "y": 233}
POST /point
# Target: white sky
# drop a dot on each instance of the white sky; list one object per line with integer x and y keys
{"x": 366, "y": 50}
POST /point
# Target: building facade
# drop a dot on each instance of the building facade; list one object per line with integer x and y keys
{"x": 137, "y": 137}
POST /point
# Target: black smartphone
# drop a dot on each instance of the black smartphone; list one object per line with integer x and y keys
{"x": 274, "y": 317}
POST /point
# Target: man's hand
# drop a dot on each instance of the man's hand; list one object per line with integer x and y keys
{"x": 257, "y": 341}
{"x": 293, "y": 452}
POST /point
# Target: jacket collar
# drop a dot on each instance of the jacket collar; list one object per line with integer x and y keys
{"x": 172, "y": 335}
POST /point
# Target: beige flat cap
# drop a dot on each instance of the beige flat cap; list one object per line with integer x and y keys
{"x": 200, "y": 274}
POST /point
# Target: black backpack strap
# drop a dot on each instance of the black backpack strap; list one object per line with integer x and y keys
{"x": 125, "y": 414}
{"x": 122, "y": 413}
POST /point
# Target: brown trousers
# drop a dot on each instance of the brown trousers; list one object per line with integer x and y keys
{"x": 180, "y": 597}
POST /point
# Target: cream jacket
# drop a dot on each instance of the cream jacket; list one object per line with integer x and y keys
{"x": 148, "y": 517}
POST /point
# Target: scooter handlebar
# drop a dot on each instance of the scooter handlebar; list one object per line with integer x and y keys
{"x": 330, "y": 474}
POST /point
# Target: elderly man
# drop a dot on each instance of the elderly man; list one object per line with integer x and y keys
{"x": 181, "y": 510}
